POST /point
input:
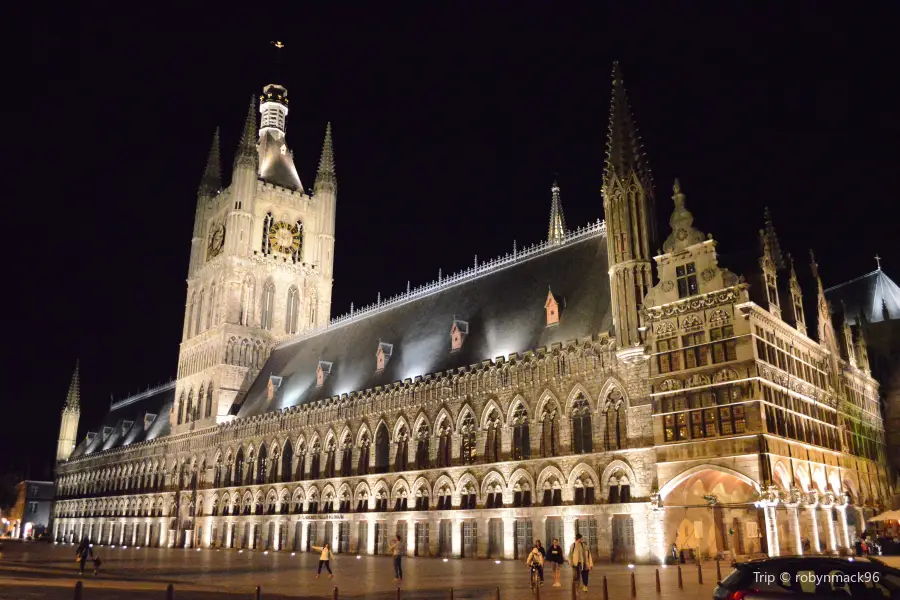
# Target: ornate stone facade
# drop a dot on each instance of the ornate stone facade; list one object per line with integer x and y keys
{"x": 549, "y": 392}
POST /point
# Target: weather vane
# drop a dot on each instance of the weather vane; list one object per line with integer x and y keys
{"x": 278, "y": 44}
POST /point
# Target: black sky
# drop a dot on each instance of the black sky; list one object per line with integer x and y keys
{"x": 449, "y": 124}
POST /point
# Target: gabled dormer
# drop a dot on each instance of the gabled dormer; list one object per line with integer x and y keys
{"x": 272, "y": 386}
{"x": 148, "y": 420}
{"x": 126, "y": 426}
{"x": 90, "y": 436}
{"x": 458, "y": 333}
{"x": 796, "y": 300}
{"x": 769, "y": 275}
{"x": 688, "y": 265}
{"x": 551, "y": 306}
{"x": 322, "y": 372}
{"x": 383, "y": 355}
{"x": 106, "y": 432}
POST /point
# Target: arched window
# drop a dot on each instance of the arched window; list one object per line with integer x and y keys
{"x": 422, "y": 499}
{"x": 210, "y": 304}
{"x": 584, "y": 490}
{"x": 362, "y": 466}
{"x": 443, "y": 453}
{"x": 209, "y": 401}
{"x": 287, "y": 460}
{"x": 189, "y": 411}
{"x": 467, "y": 497}
{"x": 381, "y": 500}
{"x": 615, "y": 421}
{"x": 582, "y": 432}
{"x": 292, "y": 314}
{"x": 217, "y": 473}
{"x": 180, "y": 410}
{"x": 261, "y": 465}
{"x": 198, "y": 317}
{"x": 619, "y": 488}
{"x": 468, "y": 451}
{"x": 492, "y": 439}
{"x": 494, "y": 498}
{"x": 401, "y": 459}
{"x": 247, "y": 293}
{"x": 268, "y": 305}
{"x": 362, "y": 502}
{"x": 189, "y": 326}
{"x": 549, "y": 433}
{"x": 402, "y": 501}
{"x": 316, "y": 462}
{"x": 522, "y": 494}
{"x": 382, "y": 449}
{"x": 239, "y": 467}
{"x": 422, "y": 436}
{"x": 346, "y": 457}
{"x": 201, "y": 398}
{"x": 329, "y": 458}
{"x": 301, "y": 462}
{"x": 267, "y": 225}
{"x": 444, "y": 498}
{"x": 552, "y": 493}
{"x": 521, "y": 439}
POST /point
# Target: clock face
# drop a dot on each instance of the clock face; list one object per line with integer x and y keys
{"x": 284, "y": 237}
{"x": 216, "y": 241}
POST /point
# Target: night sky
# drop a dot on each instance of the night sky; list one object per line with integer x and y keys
{"x": 449, "y": 125}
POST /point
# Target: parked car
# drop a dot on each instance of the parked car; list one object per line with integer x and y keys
{"x": 810, "y": 577}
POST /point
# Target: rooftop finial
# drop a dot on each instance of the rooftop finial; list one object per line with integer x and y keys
{"x": 326, "y": 177}
{"x": 684, "y": 233}
{"x": 246, "y": 153}
{"x": 878, "y": 261}
{"x": 557, "y": 230}
{"x": 772, "y": 240}
{"x": 73, "y": 398}
{"x": 211, "y": 182}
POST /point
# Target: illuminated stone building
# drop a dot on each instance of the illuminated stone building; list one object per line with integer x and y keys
{"x": 551, "y": 391}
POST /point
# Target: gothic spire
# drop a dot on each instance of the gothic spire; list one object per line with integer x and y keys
{"x": 624, "y": 154}
{"x": 557, "y": 229}
{"x": 73, "y": 398}
{"x": 772, "y": 240}
{"x": 684, "y": 233}
{"x": 211, "y": 182}
{"x": 246, "y": 152}
{"x": 325, "y": 176}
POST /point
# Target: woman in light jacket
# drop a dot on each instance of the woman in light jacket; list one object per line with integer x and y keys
{"x": 324, "y": 559}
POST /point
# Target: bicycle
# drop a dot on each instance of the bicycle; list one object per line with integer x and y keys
{"x": 535, "y": 579}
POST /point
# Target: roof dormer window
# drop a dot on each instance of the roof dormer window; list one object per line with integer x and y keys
{"x": 273, "y": 385}
{"x": 552, "y": 308}
{"x": 322, "y": 372}
{"x": 383, "y": 355}
{"x": 458, "y": 332}
{"x": 686, "y": 276}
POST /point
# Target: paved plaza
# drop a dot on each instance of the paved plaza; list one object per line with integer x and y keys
{"x": 33, "y": 571}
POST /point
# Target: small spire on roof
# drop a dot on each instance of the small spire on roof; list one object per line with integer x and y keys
{"x": 326, "y": 178}
{"x": 73, "y": 397}
{"x": 211, "y": 182}
{"x": 878, "y": 261}
{"x": 772, "y": 240}
{"x": 624, "y": 154}
{"x": 557, "y": 230}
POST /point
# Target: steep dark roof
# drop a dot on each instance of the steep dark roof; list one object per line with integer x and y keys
{"x": 504, "y": 309}
{"x": 114, "y": 431}
{"x": 867, "y": 298}
{"x": 277, "y": 167}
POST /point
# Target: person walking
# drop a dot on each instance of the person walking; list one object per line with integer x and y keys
{"x": 82, "y": 552}
{"x": 396, "y": 550}
{"x": 325, "y": 557}
{"x": 555, "y": 557}
{"x": 578, "y": 558}
{"x": 536, "y": 559}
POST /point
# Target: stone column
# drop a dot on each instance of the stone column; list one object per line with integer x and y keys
{"x": 170, "y": 542}
{"x": 354, "y": 536}
{"x": 456, "y": 538}
{"x": 568, "y": 531}
{"x": 793, "y": 516}
{"x": 410, "y": 538}
{"x": 370, "y": 535}
{"x": 771, "y": 527}
{"x": 842, "y": 526}
{"x": 56, "y": 531}
{"x": 188, "y": 538}
{"x": 434, "y": 537}
{"x": 335, "y": 535}
{"x": 509, "y": 538}
{"x": 483, "y": 531}
{"x": 304, "y": 535}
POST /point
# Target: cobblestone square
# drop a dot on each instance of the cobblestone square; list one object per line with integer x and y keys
{"x": 43, "y": 571}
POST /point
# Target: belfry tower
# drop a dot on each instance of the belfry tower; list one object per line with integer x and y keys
{"x": 262, "y": 252}
{"x": 630, "y": 224}
{"x": 71, "y": 413}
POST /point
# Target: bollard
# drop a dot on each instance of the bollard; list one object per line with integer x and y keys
{"x": 658, "y": 587}
{"x": 575, "y": 588}
{"x": 680, "y": 580}
{"x": 605, "y": 589}
{"x": 718, "y": 570}
{"x": 78, "y": 588}
{"x": 633, "y": 586}
{"x": 699, "y": 573}
{"x": 170, "y": 592}
{"x": 258, "y": 593}
{"x": 497, "y": 596}
{"x": 334, "y": 594}
{"x": 537, "y": 592}
{"x": 451, "y": 594}
{"x": 398, "y": 594}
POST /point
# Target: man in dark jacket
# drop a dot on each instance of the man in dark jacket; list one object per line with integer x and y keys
{"x": 84, "y": 550}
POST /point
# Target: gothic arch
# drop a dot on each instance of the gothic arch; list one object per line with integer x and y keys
{"x": 548, "y": 398}
{"x": 466, "y": 479}
{"x": 491, "y": 405}
{"x": 272, "y": 496}
{"x": 548, "y": 472}
{"x": 381, "y": 486}
{"x": 613, "y": 467}
{"x": 298, "y": 497}
{"x": 493, "y": 476}
{"x": 363, "y": 428}
{"x": 519, "y": 399}
{"x": 781, "y": 476}
{"x": 363, "y": 488}
{"x": 576, "y": 391}
{"x": 612, "y": 384}
{"x": 678, "y": 479}
{"x": 443, "y": 481}
{"x": 398, "y": 488}
{"x": 329, "y": 436}
{"x": 442, "y": 416}
{"x": 345, "y": 433}
{"x": 421, "y": 483}
{"x": 344, "y": 489}
{"x": 465, "y": 409}
{"x": 583, "y": 469}
{"x": 422, "y": 417}
{"x": 401, "y": 420}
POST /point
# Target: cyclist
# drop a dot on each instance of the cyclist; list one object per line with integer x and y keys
{"x": 535, "y": 560}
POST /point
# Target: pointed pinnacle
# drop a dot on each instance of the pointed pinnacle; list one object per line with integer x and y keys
{"x": 557, "y": 230}
{"x": 624, "y": 154}
{"x": 247, "y": 146}
{"x": 73, "y": 398}
{"x": 326, "y": 177}
{"x": 211, "y": 182}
